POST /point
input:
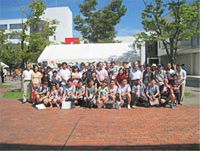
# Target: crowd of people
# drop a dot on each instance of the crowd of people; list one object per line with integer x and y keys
{"x": 104, "y": 85}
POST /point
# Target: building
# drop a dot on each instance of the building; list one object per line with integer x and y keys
{"x": 151, "y": 51}
{"x": 62, "y": 15}
{"x": 188, "y": 54}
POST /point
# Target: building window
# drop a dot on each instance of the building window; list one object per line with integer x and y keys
{"x": 54, "y": 37}
{"x": 4, "y": 26}
{"x": 15, "y": 26}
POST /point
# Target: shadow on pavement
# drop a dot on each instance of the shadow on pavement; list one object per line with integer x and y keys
{"x": 4, "y": 146}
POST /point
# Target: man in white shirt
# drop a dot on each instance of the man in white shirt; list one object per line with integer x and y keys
{"x": 102, "y": 74}
{"x": 27, "y": 83}
{"x": 135, "y": 74}
{"x": 182, "y": 79}
{"x": 125, "y": 92}
{"x": 65, "y": 75}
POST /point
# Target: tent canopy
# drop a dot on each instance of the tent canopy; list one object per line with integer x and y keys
{"x": 3, "y": 65}
{"x": 88, "y": 52}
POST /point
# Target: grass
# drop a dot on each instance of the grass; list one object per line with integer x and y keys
{"x": 4, "y": 86}
{"x": 187, "y": 94}
{"x": 13, "y": 94}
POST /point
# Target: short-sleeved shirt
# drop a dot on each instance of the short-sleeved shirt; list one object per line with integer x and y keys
{"x": 69, "y": 90}
{"x": 102, "y": 74}
{"x": 91, "y": 91}
{"x": 103, "y": 91}
{"x": 66, "y": 74}
{"x": 27, "y": 75}
{"x": 36, "y": 76}
{"x": 134, "y": 75}
{"x": 80, "y": 90}
{"x": 124, "y": 89}
{"x": 113, "y": 90}
{"x": 56, "y": 79}
{"x": 153, "y": 90}
{"x": 44, "y": 91}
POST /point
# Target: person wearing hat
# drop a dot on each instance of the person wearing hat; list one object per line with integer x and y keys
{"x": 153, "y": 69}
{"x": 182, "y": 79}
{"x": 160, "y": 75}
{"x": 138, "y": 94}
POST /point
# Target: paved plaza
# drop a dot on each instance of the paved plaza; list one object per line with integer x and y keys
{"x": 24, "y": 127}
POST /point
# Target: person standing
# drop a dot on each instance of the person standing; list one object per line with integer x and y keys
{"x": 65, "y": 74}
{"x": 182, "y": 79}
{"x": 102, "y": 74}
{"x": 135, "y": 74}
{"x": 26, "y": 75}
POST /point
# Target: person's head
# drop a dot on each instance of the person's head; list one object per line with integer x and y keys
{"x": 112, "y": 83}
{"x": 120, "y": 71}
{"x": 166, "y": 81}
{"x": 57, "y": 85}
{"x": 152, "y": 83}
{"x": 93, "y": 74}
{"x": 90, "y": 82}
{"x": 28, "y": 67}
{"x": 64, "y": 65}
{"x": 75, "y": 69}
{"x": 179, "y": 67}
{"x": 153, "y": 67}
{"x": 169, "y": 66}
{"x": 107, "y": 65}
{"x": 175, "y": 77}
{"x": 136, "y": 67}
{"x": 53, "y": 87}
{"x": 142, "y": 67}
{"x": 124, "y": 82}
{"x": 124, "y": 64}
{"x": 148, "y": 69}
{"x": 139, "y": 81}
{"x": 112, "y": 64}
{"x": 100, "y": 65}
{"x": 55, "y": 73}
{"x": 69, "y": 82}
{"x": 91, "y": 66}
{"x": 159, "y": 67}
{"x": 80, "y": 84}
{"x": 45, "y": 85}
{"x": 84, "y": 75}
{"x": 104, "y": 83}
{"x": 82, "y": 66}
{"x": 35, "y": 68}
{"x": 48, "y": 69}
{"x": 110, "y": 74}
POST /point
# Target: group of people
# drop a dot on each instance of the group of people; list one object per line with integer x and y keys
{"x": 104, "y": 85}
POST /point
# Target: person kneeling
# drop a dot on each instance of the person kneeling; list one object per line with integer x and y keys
{"x": 153, "y": 93}
{"x": 91, "y": 93}
{"x": 138, "y": 95}
{"x": 80, "y": 93}
{"x": 102, "y": 95}
{"x": 42, "y": 94}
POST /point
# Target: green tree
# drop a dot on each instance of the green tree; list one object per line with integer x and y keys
{"x": 99, "y": 25}
{"x": 33, "y": 36}
{"x": 169, "y": 22}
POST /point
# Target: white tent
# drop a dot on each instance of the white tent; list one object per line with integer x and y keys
{"x": 88, "y": 52}
{"x": 3, "y": 65}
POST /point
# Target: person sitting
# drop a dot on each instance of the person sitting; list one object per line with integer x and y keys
{"x": 95, "y": 80}
{"x": 42, "y": 94}
{"x": 80, "y": 93}
{"x": 110, "y": 77}
{"x": 175, "y": 84}
{"x": 113, "y": 90}
{"x": 153, "y": 93}
{"x": 102, "y": 94}
{"x": 90, "y": 93}
{"x": 70, "y": 91}
{"x": 167, "y": 95}
{"x": 138, "y": 94}
{"x": 52, "y": 96}
{"x": 124, "y": 93}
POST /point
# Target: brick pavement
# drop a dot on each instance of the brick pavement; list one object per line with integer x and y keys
{"x": 24, "y": 127}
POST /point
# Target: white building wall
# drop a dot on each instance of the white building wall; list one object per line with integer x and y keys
{"x": 62, "y": 15}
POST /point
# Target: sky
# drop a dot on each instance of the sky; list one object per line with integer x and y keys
{"x": 130, "y": 23}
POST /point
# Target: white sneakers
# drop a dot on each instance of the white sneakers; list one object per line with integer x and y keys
{"x": 129, "y": 107}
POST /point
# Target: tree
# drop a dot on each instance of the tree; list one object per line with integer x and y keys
{"x": 169, "y": 22}
{"x": 33, "y": 36}
{"x": 99, "y": 25}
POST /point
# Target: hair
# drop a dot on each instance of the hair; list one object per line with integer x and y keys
{"x": 55, "y": 71}
{"x": 70, "y": 80}
{"x": 34, "y": 67}
{"x": 64, "y": 63}
{"x": 80, "y": 81}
